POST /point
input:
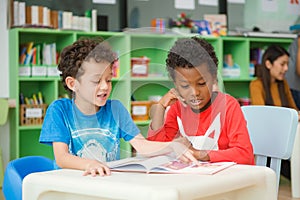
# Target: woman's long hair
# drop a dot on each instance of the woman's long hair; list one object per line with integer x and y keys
{"x": 262, "y": 72}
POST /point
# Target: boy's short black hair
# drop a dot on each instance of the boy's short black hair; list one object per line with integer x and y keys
{"x": 192, "y": 52}
{"x": 84, "y": 49}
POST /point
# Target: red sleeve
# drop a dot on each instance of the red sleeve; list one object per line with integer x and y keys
{"x": 169, "y": 130}
{"x": 239, "y": 147}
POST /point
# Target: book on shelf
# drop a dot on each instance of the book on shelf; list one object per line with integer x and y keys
{"x": 217, "y": 24}
{"x": 166, "y": 164}
{"x": 22, "y": 14}
{"x": 54, "y": 19}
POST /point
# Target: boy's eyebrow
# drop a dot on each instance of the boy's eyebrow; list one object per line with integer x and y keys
{"x": 185, "y": 80}
{"x": 99, "y": 75}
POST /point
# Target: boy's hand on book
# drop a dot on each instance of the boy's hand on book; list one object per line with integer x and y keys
{"x": 95, "y": 167}
{"x": 183, "y": 152}
{"x": 201, "y": 155}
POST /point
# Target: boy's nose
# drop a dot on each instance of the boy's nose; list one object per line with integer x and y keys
{"x": 195, "y": 91}
{"x": 103, "y": 85}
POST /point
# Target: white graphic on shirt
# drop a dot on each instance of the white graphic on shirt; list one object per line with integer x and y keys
{"x": 209, "y": 141}
{"x": 95, "y": 143}
{"x": 93, "y": 150}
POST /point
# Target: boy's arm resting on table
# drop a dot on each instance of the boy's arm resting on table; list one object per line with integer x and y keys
{"x": 153, "y": 148}
{"x": 66, "y": 160}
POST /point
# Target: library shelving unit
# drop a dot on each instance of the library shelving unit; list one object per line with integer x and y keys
{"x": 24, "y": 139}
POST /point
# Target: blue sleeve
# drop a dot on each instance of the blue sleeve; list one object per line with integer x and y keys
{"x": 54, "y": 127}
{"x": 127, "y": 127}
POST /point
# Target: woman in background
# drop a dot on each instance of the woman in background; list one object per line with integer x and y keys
{"x": 271, "y": 88}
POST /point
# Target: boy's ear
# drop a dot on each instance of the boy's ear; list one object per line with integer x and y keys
{"x": 70, "y": 82}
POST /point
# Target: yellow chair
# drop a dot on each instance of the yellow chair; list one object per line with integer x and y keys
{"x": 3, "y": 117}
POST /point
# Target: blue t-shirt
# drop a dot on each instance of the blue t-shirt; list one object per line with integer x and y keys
{"x": 94, "y": 136}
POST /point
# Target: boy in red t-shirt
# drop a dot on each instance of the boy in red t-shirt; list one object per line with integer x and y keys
{"x": 197, "y": 112}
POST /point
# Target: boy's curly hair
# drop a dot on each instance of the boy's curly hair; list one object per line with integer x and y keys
{"x": 192, "y": 52}
{"x": 84, "y": 49}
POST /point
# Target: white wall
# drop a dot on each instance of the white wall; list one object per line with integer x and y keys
{"x": 4, "y": 90}
{"x": 279, "y": 20}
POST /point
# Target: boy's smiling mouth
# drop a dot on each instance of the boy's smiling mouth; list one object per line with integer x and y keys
{"x": 195, "y": 102}
{"x": 102, "y": 96}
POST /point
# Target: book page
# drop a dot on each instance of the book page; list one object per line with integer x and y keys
{"x": 138, "y": 163}
{"x": 185, "y": 168}
{"x": 166, "y": 164}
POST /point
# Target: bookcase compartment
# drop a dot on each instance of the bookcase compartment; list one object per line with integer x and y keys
{"x": 32, "y": 114}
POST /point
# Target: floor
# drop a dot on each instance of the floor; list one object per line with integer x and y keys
{"x": 284, "y": 190}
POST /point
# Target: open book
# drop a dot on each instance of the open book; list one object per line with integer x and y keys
{"x": 166, "y": 164}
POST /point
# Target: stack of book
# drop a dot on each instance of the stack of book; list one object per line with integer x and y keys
{"x": 38, "y": 59}
{"x": 22, "y": 15}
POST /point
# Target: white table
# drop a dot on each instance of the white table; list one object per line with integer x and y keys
{"x": 237, "y": 182}
{"x": 295, "y": 166}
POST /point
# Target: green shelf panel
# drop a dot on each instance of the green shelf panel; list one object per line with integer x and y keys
{"x": 103, "y": 34}
{"x": 29, "y": 144}
{"x": 265, "y": 42}
{"x": 142, "y": 90}
{"x": 125, "y": 149}
{"x": 39, "y": 78}
{"x": 270, "y": 40}
{"x": 238, "y": 79}
{"x": 237, "y": 89}
{"x": 42, "y": 30}
{"x": 32, "y": 127}
{"x": 232, "y": 38}
{"x": 150, "y": 78}
{"x": 151, "y": 36}
{"x": 144, "y": 129}
{"x": 142, "y": 123}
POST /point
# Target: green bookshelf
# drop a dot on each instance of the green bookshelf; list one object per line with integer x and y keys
{"x": 24, "y": 138}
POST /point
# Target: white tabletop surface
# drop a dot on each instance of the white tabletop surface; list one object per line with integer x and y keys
{"x": 237, "y": 182}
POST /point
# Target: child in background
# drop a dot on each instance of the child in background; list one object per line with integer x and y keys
{"x": 208, "y": 119}
{"x": 85, "y": 131}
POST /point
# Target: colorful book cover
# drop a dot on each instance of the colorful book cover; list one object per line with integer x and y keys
{"x": 218, "y": 24}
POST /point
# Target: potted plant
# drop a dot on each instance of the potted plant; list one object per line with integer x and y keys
{"x": 183, "y": 23}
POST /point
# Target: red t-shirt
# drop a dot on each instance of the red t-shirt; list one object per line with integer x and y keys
{"x": 223, "y": 117}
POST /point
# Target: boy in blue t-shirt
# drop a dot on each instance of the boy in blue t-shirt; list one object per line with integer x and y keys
{"x": 85, "y": 131}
